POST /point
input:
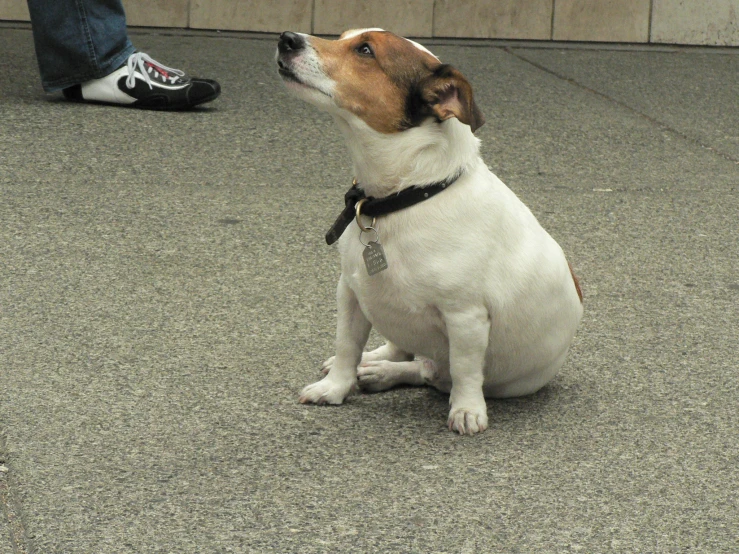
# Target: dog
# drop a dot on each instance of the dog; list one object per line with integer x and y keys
{"x": 473, "y": 296}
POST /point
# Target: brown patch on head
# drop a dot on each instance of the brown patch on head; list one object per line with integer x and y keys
{"x": 392, "y": 84}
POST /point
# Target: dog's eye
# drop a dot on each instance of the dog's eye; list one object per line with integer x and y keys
{"x": 364, "y": 49}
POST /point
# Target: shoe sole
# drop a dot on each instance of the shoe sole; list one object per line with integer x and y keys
{"x": 72, "y": 97}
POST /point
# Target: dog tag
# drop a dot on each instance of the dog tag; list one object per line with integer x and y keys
{"x": 374, "y": 258}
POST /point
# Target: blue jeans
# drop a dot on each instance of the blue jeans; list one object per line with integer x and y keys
{"x": 78, "y": 40}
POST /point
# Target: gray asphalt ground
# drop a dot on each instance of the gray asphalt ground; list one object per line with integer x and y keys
{"x": 166, "y": 292}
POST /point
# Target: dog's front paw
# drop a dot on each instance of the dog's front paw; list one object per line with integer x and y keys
{"x": 468, "y": 421}
{"x": 326, "y": 391}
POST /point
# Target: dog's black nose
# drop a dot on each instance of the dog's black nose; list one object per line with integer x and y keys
{"x": 290, "y": 41}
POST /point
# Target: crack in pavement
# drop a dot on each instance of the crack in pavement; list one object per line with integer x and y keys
{"x": 624, "y": 105}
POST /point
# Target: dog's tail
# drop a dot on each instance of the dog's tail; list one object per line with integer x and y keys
{"x": 577, "y": 282}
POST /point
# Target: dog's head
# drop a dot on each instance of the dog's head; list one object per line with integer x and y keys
{"x": 389, "y": 82}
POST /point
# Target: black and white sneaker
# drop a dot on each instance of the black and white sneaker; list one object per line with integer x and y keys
{"x": 145, "y": 83}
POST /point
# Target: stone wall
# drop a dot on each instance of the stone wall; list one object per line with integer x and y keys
{"x": 699, "y": 22}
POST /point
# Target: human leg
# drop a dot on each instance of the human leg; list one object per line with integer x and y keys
{"x": 82, "y": 47}
{"x": 78, "y": 40}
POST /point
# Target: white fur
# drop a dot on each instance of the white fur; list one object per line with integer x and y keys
{"x": 422, "y": 47}
{"x": 475, "y": 288}
{"x": 316, "y": 88}
{"x": 348, "y": 35}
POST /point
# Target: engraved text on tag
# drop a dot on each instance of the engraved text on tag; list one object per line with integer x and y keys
{"x": 374, "y": 258}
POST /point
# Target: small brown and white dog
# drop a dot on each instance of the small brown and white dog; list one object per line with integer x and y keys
{"x": 477, "y": 299}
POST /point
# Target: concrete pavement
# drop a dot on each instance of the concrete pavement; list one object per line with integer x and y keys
{"x": 165, "y": 292}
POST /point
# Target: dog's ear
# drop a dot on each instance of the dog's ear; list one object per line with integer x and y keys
{"x": 446, "y": 93}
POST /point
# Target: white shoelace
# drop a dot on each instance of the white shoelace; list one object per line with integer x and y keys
{"x": 137, "y": 61}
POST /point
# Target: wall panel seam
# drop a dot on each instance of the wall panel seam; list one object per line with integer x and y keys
{"x": 313, "y": 18}
{"x": 433, "y": 18}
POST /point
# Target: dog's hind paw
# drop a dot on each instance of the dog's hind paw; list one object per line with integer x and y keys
{"x": 327, "y": 365}
{"x": 387, "y": 351}
{"x": 378, "y": 376}
{"x": 383, "y": 374}
{"x": 467, "y": 421}
{"x": 326, "y": 391}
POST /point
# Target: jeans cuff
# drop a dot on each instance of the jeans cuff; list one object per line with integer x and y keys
{"x": 107, "y": 68}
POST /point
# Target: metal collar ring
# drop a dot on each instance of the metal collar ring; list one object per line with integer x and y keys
{"x": 359, "y": 217}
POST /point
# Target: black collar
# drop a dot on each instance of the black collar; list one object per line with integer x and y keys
{"x": 375, "y": 207}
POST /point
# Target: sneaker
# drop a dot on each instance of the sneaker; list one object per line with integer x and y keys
{"x": 145, "y": 83}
